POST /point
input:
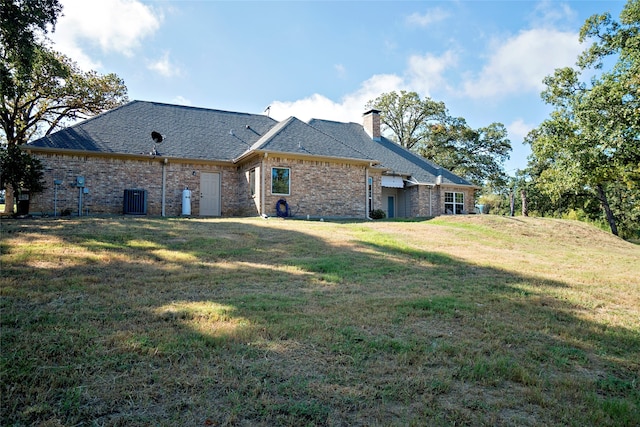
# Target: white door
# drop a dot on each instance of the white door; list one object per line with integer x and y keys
{"x": 209, "y": 194}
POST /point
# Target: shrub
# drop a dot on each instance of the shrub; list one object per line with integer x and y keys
{"x": 377, "y": 214}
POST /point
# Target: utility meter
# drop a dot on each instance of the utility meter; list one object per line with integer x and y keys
{"x": 80, "y": 181}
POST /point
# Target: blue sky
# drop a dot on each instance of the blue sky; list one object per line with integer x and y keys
{"x": 326, "y": 59}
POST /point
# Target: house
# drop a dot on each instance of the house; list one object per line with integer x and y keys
{"x": 160, "y": 159}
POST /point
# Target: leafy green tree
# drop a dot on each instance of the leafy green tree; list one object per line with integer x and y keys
{"x": 424, "y": 126}
{"x": 407, "y": 116}
{"x": 22, "y": 22}
{"x": 55, "y": 92}
{"x": 476, "y": 154}
{"x": 23, "y": 25}
{"x": 20, "y": 171}
{"x": 42, "y": 90}
{"x": 590, "y": 144}
{"x": 493, "y": 202}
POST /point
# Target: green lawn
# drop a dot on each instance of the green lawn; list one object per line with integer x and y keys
{"x": 474, "y": 320}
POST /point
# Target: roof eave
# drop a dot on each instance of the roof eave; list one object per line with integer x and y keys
{"x": 413, "y": 181}
{"x": 123, "y": 156}
{"x": 304, "y": 156}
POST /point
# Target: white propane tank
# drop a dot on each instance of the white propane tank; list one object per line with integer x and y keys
{"x": 186, "y": 201}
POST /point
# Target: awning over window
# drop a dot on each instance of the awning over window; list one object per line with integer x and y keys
{"x": 392, "y": 181}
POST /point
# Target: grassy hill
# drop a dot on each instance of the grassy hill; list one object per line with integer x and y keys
{"x": 466, "y": 320}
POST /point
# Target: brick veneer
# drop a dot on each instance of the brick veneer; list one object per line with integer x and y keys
{"x": 318, "y": 188}
{"x": 107, "y": 178}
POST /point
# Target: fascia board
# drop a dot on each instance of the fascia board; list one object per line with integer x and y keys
{"x": 123, "y": 156}
{"x": 307, "y": 157}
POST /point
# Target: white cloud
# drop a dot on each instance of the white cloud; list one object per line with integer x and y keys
{"x": 112, "y": 25}
{"x": 428, "y": 18}
{"x": 552, "y": 14}
{"x": 427, "y": 72}
{"x": 423, "y": 74}
{"x": 314, "y": 106}
{"x": 181, "y": 100}
{"x": 350, "y": 107}
{"x": 520, "y": 63}
{"x": 164, "y": 67}
{"x": 518, "y": 130}
{"x": 340, "y": 70}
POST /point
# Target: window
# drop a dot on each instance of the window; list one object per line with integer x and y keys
{"x": 453, "y": 203}
{"x": 280, "y": 181}
{"x": 252, "y": 182}
{"x": 370, "y": 193}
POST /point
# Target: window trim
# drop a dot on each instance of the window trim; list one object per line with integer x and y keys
{"x": 454, "y": 204}
{"x": 273, "y": 169}
{"x": 252, "y": 182}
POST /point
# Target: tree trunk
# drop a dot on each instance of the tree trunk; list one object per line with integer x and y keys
{"x": 8, "y": 200}
{"x": 607, "y": 209}
{"x": 525, "y": 203}
{"x": 512, "y": 203}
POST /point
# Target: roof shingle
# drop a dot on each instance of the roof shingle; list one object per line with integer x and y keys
{"x": 205, "y": 134}
{"x": 188, "y": 132}
{"x": 390, "y": 155}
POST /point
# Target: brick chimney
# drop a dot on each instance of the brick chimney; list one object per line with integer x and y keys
{"x": 371, "y": 124}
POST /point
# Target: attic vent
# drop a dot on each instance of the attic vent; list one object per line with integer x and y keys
{"x": 135, "y": 202}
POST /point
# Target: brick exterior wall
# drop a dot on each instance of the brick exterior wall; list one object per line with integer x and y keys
{"x": 371, "y": 124}
{"x": 421, "y": 201}
{"x": 469, "y": 198}
{"x": 318, "y": 188}
{"x": 107, "y": 178}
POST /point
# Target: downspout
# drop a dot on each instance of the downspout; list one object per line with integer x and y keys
{"x": 438, "y": 195}
{"x": 164, "y": 184}
{"x": 263, "y": 187}
{"x": 366, "y": 193}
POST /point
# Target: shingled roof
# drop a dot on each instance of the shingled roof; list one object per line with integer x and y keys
{"x": 216, "y": 135}
{"x": 188, "y": 132}
{"x": 396, "y": 159}
{"x": 295, "y": 136}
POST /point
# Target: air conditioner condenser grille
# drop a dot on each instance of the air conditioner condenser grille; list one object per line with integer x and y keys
{"x": 135, "y": 202}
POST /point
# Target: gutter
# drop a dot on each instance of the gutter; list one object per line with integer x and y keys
{"x": 290, "y": 154}
{"x": 103, "y": 154}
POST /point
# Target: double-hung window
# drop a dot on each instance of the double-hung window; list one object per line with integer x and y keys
{"x": 281, "y": 181}
{"x": 453, "y": 203}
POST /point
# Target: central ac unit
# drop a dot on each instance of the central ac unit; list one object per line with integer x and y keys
{"x": 135, "y": 202}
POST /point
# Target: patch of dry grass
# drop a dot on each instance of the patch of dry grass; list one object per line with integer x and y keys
{"x": 476, "y": 320}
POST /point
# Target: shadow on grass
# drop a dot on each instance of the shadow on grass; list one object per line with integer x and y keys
{"x": 173, "y": 322}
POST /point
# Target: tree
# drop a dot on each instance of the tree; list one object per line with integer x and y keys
{"x": 408, "y": 116}
{"x": 22, "y": 26}
{"x": 476, "y": 154}
{"x": 424, "y": 126}
{"x": 20, "y": 171}
{"x": 21, "y": 23}
{"x": 55, "y": 92}
{"x": 42, "y": 90}
{"x": 590, "y": 144}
